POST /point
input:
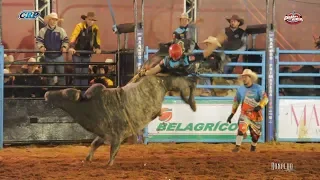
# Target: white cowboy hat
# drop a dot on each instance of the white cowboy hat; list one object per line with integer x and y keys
{"x": 250, "y": 73}
{"x": 184, "y": 16}
{"x": 109, "y": 61}
{"x": 51, "y": 16}
{"x": 8, "y": 59}
{"x": 212, "y": 40}
{"x": 32, "y": 60}
{"x": 6, "y": 71}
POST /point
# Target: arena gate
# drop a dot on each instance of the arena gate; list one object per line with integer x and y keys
{"x": 179, "y": 124}
{"x": 297, "y": 117}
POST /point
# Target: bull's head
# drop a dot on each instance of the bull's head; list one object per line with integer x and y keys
{"x": 60, "y": 97}
{"x": 185, "y": 85}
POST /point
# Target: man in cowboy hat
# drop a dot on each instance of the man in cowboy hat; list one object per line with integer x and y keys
{"x": 85, "y": 36}
{"x": 253, "y": 99}
{"x": 53, "y": 38}
{"x": 236, "y": 39}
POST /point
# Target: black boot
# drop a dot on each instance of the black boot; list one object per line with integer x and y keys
{"x": 253, "y": 148}
{"x": 236, "y": 149}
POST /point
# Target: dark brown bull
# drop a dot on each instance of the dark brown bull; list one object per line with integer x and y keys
{"x": 114, "y": 114}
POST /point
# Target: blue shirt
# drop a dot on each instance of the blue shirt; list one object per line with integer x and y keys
{"x": 169, "y": 63}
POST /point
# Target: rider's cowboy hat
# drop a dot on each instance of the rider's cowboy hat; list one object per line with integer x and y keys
{"x": 212, "y": 40}
{"x": 184, "y": 16}
{"x": 90, "y": 15}
{"x": 250, "y": 73}
{"x": 236, "y": 17}
{"x": 51, "y": 16}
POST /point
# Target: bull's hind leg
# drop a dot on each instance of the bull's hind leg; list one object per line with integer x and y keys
{"x": 191, "y": 100}
{"x": 96, "y": 143}
{"x": 114, "y": 148}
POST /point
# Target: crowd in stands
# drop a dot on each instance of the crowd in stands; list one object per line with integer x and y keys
{"x": 86, "y": 36}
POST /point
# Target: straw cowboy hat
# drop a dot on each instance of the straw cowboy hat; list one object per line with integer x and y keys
{"x": 236, "y": 17}
{"x": 109, "y": 61}
{"x": 184, "y": 16}
{"x": 6, "y": 71}
{"x": 212, "y": 40}
{"x": 90, "y": 15}
{"x": 51, "y": 16}
{"x": 250, "y": 73}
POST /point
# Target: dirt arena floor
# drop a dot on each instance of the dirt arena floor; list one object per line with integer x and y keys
{"x": 161, "y": 161}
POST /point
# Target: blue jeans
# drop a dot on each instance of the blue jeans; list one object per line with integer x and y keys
{"x": 81, "y": 69}
{"x": 58, "y": 69}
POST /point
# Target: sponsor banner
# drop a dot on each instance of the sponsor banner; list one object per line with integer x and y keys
{"x": 299, "y": 119}
{"x": 178, "y": 121}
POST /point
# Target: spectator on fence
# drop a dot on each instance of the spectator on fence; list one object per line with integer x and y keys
{"x": 111, "y": 68}
{"x": 237, "y": 40}
{"x": 53, "y": 38}
{"x": 8, "y": 60}
{"x": 30, "y": 81}
{"x": 85, "y": 36}
{"x": 103, "y": 79}
{"x": 8, "y": 92}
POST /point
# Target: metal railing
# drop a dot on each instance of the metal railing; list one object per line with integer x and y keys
{"x": 286, "y": 102}
{"x": 18, "y": 62}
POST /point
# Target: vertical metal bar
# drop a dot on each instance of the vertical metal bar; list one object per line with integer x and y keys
{"x": 142, "y": 30}
{"x": 126, "y": 41}
{"x": 263, "y": 81}
{"x": 1, "y": 24}
{"x": 277, "y": 58}
{"x": 1, "y": 83}
{"x": 36, "y": 29}
{"x": 1, "y": 79}
{"x": 185, "y": 6}
{"x": 118, "y": 60}
{"x": 271, "y": 76}
{"x": 195, "y": 10}
{"x": 54, "y": 6}
{"x": 274, "y": 73}
{"x": 135, "y": 8}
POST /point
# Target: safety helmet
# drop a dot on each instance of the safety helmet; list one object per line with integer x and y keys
{"x": 175, "y": 51}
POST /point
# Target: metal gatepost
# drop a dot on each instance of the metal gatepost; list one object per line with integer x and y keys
{"x": 191, "y": 7}
{"x": 1, "y": 79}
{"x": 44, "y": 8}
{"x": 271, "y": 74}
{"x": 1, "y": 94}
{"x": 139, "y": 36}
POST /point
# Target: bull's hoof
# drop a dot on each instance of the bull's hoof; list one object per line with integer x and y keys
{"x": 193, "y": 106}
{"x": 110, "y": 163}
{"x": 88, "y": 158}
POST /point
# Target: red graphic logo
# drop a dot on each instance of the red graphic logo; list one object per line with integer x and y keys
{"x": 166, "y": 114}
{"x": 293, "y": 18}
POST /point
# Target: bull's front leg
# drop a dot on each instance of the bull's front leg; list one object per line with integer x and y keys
{"x": 96, "y": 143}
{"x": 114, "y": 149}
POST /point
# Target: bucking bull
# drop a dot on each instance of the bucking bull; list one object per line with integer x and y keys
{"x": 114, "y": 114}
